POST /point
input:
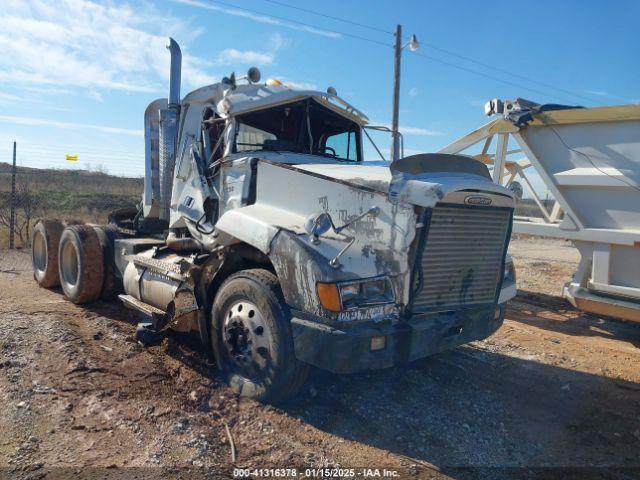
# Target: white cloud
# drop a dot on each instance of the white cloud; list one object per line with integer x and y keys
{"x": 413, "y": 92}
{"x": 31, "y": 121}
{"x": 9, "y": 98}
{"x": 256, "y": 17}
{"x": 599, "y": 93}
{"x": 417, "y": 131}
{"x": 79, "y": 43}
{"x": 44, "y": 90}
{"x": 422, "y": 132}
{"x": 234, "y": 57}
{"x": 94, "y": 95}
{"x": 278, "y": 41}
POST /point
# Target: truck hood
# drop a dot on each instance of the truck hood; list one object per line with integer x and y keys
{"x": 423, "y": 189}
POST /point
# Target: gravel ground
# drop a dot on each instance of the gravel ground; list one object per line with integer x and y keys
{"x": 554, "y": 393}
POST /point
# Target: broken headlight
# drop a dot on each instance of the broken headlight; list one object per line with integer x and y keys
{"x": 366, "y": 292}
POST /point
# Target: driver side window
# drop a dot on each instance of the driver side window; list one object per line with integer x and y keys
{"x": 251, "y": 138}
{"x": 344, "y": 145}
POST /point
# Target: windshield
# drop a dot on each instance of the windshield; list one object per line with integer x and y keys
{"x": 301, "y": 127}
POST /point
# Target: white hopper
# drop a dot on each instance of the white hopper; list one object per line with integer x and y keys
{"x": 589, "y": 159}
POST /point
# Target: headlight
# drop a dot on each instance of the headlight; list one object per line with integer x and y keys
{"x": 375, "y": 289}
{"x": 366, "y": 292}
{"x": 509, "y": 272}
{"x": 349, "y": 293}
{"x": 361, "y": 293}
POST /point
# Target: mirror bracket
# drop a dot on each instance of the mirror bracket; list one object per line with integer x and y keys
{"x": 318, "y": 224}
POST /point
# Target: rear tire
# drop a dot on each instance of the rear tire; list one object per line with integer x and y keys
{"x": 44, "y": 252}
{"x": 81, "y": 264}
{"x": 252, "y": 340}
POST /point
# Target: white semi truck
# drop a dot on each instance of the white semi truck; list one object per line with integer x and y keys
{"x": 262, "y": 228}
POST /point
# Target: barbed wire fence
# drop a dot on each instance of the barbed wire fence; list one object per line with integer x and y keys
{"x": 82, "y": 195}
{"x": 74, "y": 195}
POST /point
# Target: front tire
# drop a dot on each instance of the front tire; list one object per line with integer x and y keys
{"x": 81, "y": 265}
{"x": 252, "y": 340}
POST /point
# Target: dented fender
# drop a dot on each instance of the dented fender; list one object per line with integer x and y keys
{"x": 299, "y": 267}
{"x": 257, "y": 225}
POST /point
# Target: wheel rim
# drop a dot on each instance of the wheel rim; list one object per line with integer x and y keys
{"x": 69, "y": 267}
{"x": 39, "y": 252}
{"x": 247, "y": 339}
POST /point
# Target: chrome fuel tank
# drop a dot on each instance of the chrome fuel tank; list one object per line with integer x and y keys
{"x": 150, "y": 285}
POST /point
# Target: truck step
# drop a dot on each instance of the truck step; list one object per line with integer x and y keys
{"x": 144, "y": 308}
{"x": 171, "y": 270}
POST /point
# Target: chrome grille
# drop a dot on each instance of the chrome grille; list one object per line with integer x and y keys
{"x": 462, "y": 258}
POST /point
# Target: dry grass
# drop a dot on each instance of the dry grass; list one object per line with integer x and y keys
{"x": 72, "y": 195}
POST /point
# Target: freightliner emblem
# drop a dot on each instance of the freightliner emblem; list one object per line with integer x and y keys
{"x": 477, "y": 200}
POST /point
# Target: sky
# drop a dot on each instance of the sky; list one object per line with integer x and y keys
{"x": 76, "y": 75}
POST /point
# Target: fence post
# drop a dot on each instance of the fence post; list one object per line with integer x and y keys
{"x": 12, "y": 217}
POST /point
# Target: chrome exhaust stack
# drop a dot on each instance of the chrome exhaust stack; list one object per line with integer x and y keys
{"x": 169, "y": 130}
{"x": 175, "y": 73}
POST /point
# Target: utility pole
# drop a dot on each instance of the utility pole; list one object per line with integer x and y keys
{"x": 12, "y": 216}
{"x": 413, "y": 46}
{"x": 395, "y": 143}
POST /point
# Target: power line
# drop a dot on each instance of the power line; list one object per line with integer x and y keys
{"x": 507, "y": 72}
{"x": 337, "y": 19}
{"x": 297, "y": 22}
{"x": 75, "y": 147}
{"x": 132, "y": 167}
{"x": 28, "y": 159}
{"x": 490, "y": 77}
{"x": 36, "y": 151}
{"x": 62, "y": 153}
{"x": 445, "y": 51}
{"x": 370, "y": 40}
{"x": 124, "y": 160}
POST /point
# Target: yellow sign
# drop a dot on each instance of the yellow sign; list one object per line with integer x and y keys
{"x": 72, "y": 158}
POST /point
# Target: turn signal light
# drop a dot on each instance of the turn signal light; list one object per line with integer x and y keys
{"x": 329, "y": 296}
{"x": 378, "y": 343}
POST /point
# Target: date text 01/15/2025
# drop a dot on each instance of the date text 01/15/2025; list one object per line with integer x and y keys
{"x": 315, "y": 473}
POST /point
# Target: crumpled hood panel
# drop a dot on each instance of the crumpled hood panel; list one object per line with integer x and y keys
{"x": 425, "y": 189}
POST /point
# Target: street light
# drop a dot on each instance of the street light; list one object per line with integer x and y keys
{"x": 413, "y": 46}
{"x": 413, "y": 43}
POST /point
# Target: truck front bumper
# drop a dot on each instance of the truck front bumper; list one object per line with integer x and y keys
{"x": 350, "y": 350}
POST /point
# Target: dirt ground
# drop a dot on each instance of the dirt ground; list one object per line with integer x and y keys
{"x": 554, "y": 393}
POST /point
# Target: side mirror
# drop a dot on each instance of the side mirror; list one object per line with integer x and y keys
{"x": 253, "y": 75}
{"x": 318, "y": 224}
{"x": 517, "y": 190}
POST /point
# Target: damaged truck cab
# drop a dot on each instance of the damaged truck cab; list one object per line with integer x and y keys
{"x": 263, "y": 229}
